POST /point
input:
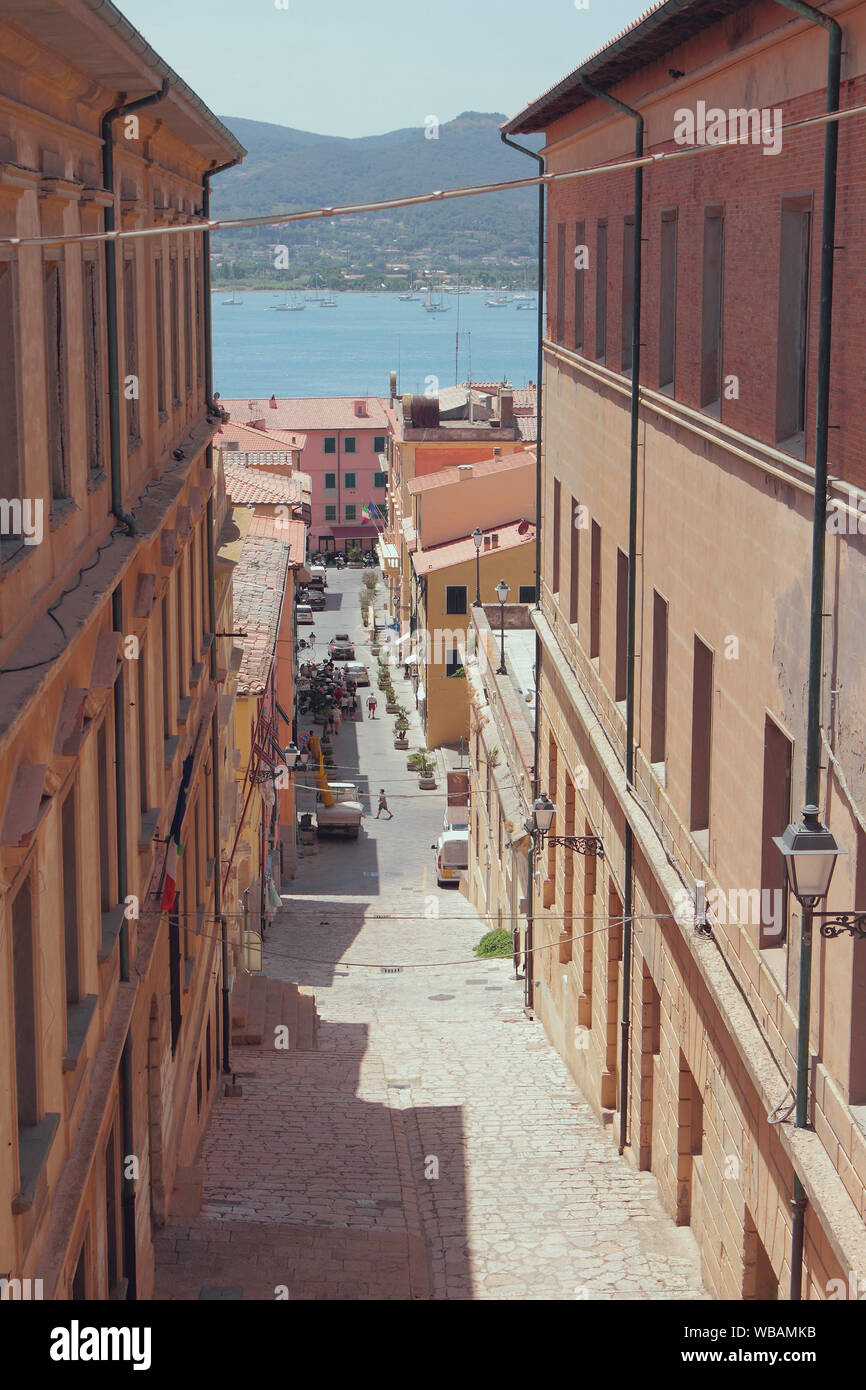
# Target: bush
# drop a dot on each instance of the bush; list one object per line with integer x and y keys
{"x": 370, "y": 582}
{"x": 496, "y": 943}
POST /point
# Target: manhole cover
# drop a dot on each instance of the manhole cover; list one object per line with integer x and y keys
{"x": 475, "y": 982}
{"x": 440, "y": 996}
{"x": 392, "y": 969}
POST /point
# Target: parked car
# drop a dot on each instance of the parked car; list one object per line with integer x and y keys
{"x": 304, "y": 613}
{"x": 316, "y": 599}
{"x": 341, "y": 647}
{"x": 452, "y": 855}
{"x": 356, "y": 671}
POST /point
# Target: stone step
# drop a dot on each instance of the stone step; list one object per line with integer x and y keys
{"x": 282, "y": 1011}
{"x": 252, "y": 1033}
{"x": 307, "y": 1020}
{"x": 240, "y": 998}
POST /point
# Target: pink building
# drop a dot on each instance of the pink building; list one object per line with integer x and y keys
{"x": 345, "y": 451}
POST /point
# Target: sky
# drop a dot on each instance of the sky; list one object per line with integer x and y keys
{"x": 364, "y": 67}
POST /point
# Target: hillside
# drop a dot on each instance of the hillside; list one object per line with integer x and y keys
{"x": 288, "y": 170}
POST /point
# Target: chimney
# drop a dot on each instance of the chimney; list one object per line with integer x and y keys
{"x": 496, "y": 452}
{"x": 486, "y": 542}
{"x": 465, "y": 471}
{"x": 506, "y": 408}
{"x": 256, "y": 424}
{"x": 393, "y": 387}
{"x": 494, "y": 540}
{"x": 360, "y": 409}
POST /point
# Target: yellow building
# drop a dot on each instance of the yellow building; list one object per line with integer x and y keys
{"x": 449, "y": 572}
{"x": 111, "y": 666}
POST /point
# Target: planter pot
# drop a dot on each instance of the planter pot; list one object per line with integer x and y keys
{"x": 401, "y": 743}
{"x": 355, "y": 565}
{"x": 390, "y": 708}
{"x": 426, "y": 783}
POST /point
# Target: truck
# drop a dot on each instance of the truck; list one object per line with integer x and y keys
{"x": 318, "y": 577}
{"x": 338, "y": 810}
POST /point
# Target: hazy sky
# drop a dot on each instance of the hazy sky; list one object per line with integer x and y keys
{"x": 362, "y": 67}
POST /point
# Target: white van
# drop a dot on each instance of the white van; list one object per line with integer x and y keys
{"x": 318, "y": 577}
{"x": 452, "y": 855}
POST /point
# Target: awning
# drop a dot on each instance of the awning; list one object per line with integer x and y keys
{"x": 387, "y": 554}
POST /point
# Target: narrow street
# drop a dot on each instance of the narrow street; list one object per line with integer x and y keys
{"x": 434, "y": 1144}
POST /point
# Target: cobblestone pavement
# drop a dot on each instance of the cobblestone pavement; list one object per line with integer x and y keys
{"x": 435, "y": 1145}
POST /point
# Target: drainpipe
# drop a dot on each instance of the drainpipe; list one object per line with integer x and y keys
{"x": 211, "y": 595}
{"x": 110, "y": 260}
{"x": 625, "y": 1022}
{"x": 816, "y": 619}
{"x": 528, "y": 962}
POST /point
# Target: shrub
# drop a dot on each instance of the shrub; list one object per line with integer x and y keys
{"x": 496, "y": 943}
{"x": 418, "y": 760}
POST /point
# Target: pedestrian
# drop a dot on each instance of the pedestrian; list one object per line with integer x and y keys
{"x": 336, "y": 719}
{"x": 371, "y": 705}
{"x": 383, "y": 805}
{"x": 311, "y": 639}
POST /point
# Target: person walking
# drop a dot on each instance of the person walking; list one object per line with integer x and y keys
{"x": 311, "y": 639}
{"x": 337, "y": 718}
{"x": 371, "y": 705}
{"x": 383, "y": 805}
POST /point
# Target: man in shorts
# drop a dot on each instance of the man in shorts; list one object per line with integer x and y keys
{"x": 371, "y": 706}
{"x": 383, "y": 805}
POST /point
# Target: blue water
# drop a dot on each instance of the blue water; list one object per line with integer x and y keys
{"x": 350, "y": 350}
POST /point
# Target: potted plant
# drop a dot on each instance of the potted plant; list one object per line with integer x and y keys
{"x": 427, "y": 774}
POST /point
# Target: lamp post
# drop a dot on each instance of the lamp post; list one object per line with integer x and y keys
{"x": 477, "y": 538}
{"x": 502, "y": 592}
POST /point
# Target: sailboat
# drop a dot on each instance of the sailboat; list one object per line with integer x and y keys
{"x": 328, "y": 303}
{"x": 288, "y": 308}
{"x": 432, "y": 307}
{"x": 234, "y": 300}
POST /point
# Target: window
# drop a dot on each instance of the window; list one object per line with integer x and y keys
{"x": 574, "y": 564}
{"x": 793, "y": 334}
{"x": 601, "y": 292}
{"x": 130, "y": 346}
{"x": 55, "y": 378}
{"x": 579, "y": 283}
{"x": 166, "y": 670}
{"x": 187, "y": 324}
{"x": 143, "y": 742}
{"x": 595, "y": 591}
{"x": 94, "y": 394}
{"x": 160, "y": 337}
{"x": 453, "y": 664}
{"x": 330, "y": 482}
{"x": 526, "y": 593}
{"x": 24, "y": 1010}
{"x": 627, "y": 291}
{"x": 69, "y": 862}
{"x": 174, "y": 973}
{"x": 559, "y": 325}
{"x": 9, "y": 408}
{"x": 208, "y": 1054}
{"x": 174, "y": 328}
{"x": 380, "y": 509}
{"x": 702, "y": 721}
{"x": 380, "y": 480}
{"x": 379, "y": 443}
{"x": 106, "y": 876}
{"x": 330, "y": 511}
{"x": 668, "y": 301}
{"x": 199, "y": 333}
{"x": 350, "y": 444}
{"x": 350, "y": 481}
{"x": 557, "y": 511}
{"x": 776, "y": 814}
{"x": 658, "y": 725}
{"x": 621, "y": 666}
{"x": 455, "y": 598}
{"x": 350, "y": 511}
{"x": 180, "y": 634}
{"x": 330, "y": 444}
{"x": 711, "y": 308}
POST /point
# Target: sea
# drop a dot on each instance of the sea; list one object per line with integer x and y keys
{"x": 351, "y": 349}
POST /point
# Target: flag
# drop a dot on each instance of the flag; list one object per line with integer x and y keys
{"x": 175, "y": 848}
{"x": 366, "y": 513}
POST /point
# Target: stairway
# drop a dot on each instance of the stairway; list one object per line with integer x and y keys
{"x": 261, "y": 1005}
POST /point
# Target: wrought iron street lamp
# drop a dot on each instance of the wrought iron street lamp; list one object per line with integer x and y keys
{"x": 477, "y": 537}
{"x": 810, "y": 851}
{"x": 502, "y": 592}
{"x": 539, "y": 823}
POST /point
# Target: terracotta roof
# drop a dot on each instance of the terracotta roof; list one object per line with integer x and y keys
{"x": 291, "y": 533}
{"x": 296, "y": 413}
{"x": 524, "y": 396}
{"x": 441, "y": 557}
{"x": 447, "y": 477}
{"x": 527, "y": 427}
{"x": 259, "y": 583}
{"x": 251, "y": 488}
{"x": 250, "y": 439}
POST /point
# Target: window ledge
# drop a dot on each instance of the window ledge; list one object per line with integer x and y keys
{"x": 112, "y": 922}
{"x": 188, "y": 968}
{"x": 702, "y": 840}
{"x": 149, "y": 823}
{"x": 78, "y": 1018}
{"x": 196, "y": 673}
{"x": 183, "y": 709}
{"x": 659, "y": 771}
{"x": 34, "y": 1146}
{"x": 96, "y": 480}
{"x": 170, "y": 747}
